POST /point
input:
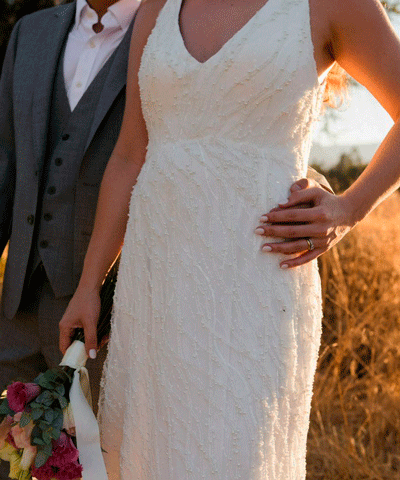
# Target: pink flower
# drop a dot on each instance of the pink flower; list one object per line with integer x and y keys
{"x": 20, "y": 394}
{"x": 46, "y": 472}
{"x": 73, "y": 471}
{"x": 63, "y": 463}
{"x": 21, "y": 435}
{"x": 64, "y": 452}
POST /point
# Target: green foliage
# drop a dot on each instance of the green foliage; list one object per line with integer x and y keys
{"x": 46, "y": 411}
{"x": 5, "y": 409}
{"x": 48, "y": 424}
{"x": 25, "y": 419}
{"x": 57, "y": 380}
{"x": 44, "y": 452}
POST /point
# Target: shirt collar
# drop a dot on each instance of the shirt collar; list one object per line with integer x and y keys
{"x": 123, "y": 11}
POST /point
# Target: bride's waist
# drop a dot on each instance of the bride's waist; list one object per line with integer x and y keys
{"x": 220, "y": 142}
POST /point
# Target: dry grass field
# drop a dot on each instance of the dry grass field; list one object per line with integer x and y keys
{"x": 355, "y": 419}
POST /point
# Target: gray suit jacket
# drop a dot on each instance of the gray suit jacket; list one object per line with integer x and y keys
{"x": 25, "y": 96}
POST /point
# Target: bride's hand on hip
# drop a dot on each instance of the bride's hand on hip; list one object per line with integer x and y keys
{"x": 82, "y": 312}
{"x": 311, "y": 222}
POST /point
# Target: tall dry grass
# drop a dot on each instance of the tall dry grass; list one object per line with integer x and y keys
{"x": 355, "y": 420}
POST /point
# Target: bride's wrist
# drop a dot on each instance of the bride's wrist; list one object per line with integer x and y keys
{"x": 355, "y": 210}
{"x": 88, "y": 284}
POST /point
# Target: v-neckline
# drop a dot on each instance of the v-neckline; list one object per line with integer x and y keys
{"x": 228, "y": 42}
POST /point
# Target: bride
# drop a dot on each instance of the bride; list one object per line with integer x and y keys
{"x": 215, "y": 334}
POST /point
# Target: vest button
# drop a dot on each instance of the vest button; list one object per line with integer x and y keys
{"x": 44, "y": 244}
{"x": 30, "y": 219}
{"x": 51, "y": 190}
{"x": 58, "y": 161}
{"x": 48, "y": 217}
{"x": 65, "y": 136}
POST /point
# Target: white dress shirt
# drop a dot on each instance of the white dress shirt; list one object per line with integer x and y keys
{"x": 86, "y": 52}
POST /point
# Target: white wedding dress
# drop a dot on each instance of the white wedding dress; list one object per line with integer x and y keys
{"x": 214, "y": 347}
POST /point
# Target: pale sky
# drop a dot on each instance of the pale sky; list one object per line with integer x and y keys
{"x": 364, "y": 120}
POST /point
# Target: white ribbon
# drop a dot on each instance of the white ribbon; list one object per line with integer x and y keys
{"x": 87, "y": 429}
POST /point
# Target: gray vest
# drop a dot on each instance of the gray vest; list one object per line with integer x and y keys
{"x": 67, "y": 136}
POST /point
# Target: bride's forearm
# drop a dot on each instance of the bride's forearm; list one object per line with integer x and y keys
{"x": 379, "y": 179}
{"x": 111, "y": 219}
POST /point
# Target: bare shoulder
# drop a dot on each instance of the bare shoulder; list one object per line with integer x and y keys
{"x": 348, "y": 18}
{"x": 148, "y": 12}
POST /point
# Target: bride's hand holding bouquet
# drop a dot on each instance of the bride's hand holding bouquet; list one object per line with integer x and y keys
{"x": 47, "y": 427}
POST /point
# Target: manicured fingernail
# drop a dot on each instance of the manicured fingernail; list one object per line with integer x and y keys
{"x": 264, "y": 219}
{"x": 284, "y": 266}
{"x": 259, "y": 231}
{"x": 296, "y": 187}
{"x": 92, "y": 353}
{"x": 266, "y": 248}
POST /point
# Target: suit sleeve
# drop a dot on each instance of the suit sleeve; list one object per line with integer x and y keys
{"x": 7, "y": 143}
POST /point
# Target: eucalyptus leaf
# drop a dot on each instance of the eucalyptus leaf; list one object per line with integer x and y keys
{"x": 47, "y": 449}
{"x": 37, "y": 379}
{"x": 43, "y": 425}
{"x": 46, "y": 437}
{"x": 55, "y": 433}
{"x": 63, "y": 402}
{"x": 51, "y": 375}
{"x": 5, "y": 408}
{"x": 44, "y": 383}
{"x": 58, "y": 413}
{"x": 49, "y": 415}
{"x": 41, "y": 458}
{"x": 41, "y": 397}
{"x": 37, "y": 441}
{"x": 46, "y": 398}
{"x": 60, "y": 389}
{"x": 25, "y": 419}
{"x": 37, "y": 413}
{"x": 58, "y": 422}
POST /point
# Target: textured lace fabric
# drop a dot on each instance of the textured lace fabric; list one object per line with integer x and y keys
{"x": 214, "y": 347}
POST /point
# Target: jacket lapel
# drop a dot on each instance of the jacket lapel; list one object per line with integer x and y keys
{"x": 115, "y": 82}
{"x": 51, "y": 45}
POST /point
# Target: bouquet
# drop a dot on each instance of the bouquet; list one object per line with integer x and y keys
{"x": 47, "y": 427}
